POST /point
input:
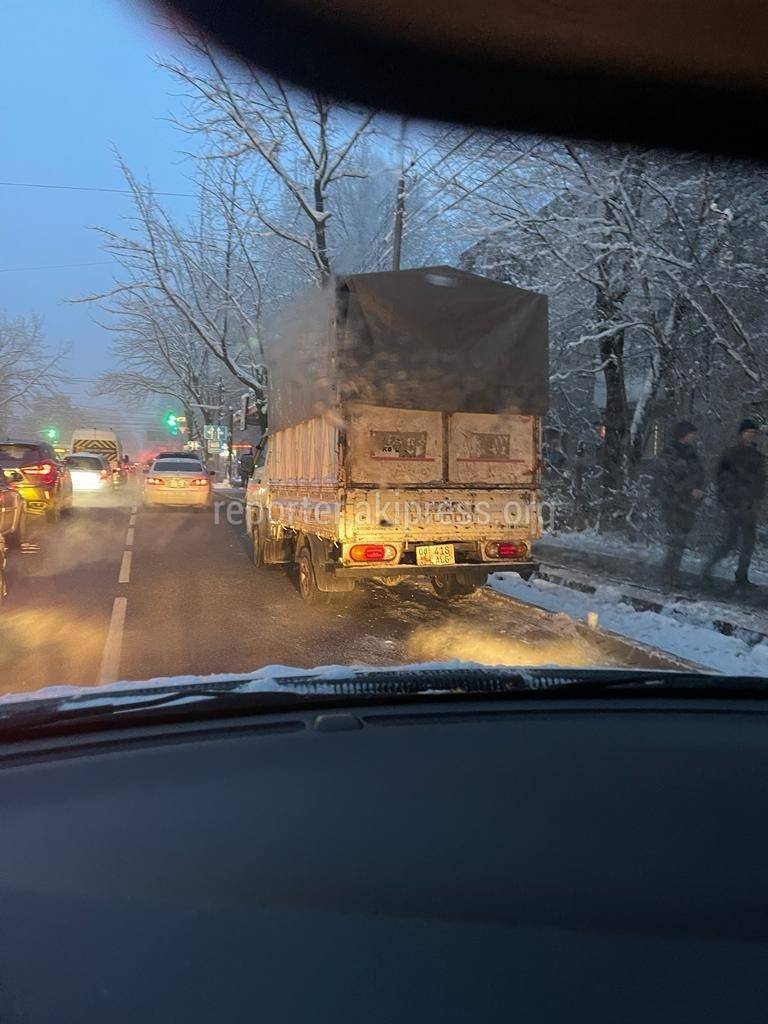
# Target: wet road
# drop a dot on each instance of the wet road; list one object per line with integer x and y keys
{"x": 125, "y": 593}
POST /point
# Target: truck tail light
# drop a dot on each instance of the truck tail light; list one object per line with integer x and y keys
{"x": 40, "y": 473}
{"x": 506, "y": 549}
{"x": 372, "y": 552}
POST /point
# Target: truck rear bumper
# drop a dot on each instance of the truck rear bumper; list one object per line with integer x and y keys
{"x": 478, "y": 569}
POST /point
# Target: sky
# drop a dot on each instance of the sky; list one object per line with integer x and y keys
{"x": 77, "y": 81}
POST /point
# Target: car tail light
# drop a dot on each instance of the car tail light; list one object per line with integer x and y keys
{"x": 154, "y": 480}
{"x": 40, "y": 473}
{"x": 200, "y": 481}
{"x": 372, "y": 552}
{"x": 105, "y": 474}
{"x": 506, "y": 549}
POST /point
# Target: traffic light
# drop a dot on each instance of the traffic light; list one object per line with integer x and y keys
{"x": 171, "y": 421}
{"x": 51, "y": 434}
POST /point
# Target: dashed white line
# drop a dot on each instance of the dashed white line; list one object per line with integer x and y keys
{"x": 125, "y": 568}
{"x": 129, "y": 537}
{"x": 110, "y": 660}
{"x": 134, "y": 509}
{"x": 132, "y": 520}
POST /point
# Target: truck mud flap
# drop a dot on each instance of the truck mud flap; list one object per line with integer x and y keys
{"x": 326, "y": 581}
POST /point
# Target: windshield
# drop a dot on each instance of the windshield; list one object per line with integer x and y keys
{"x": 444, "y": 395}
{"x": 14, "y": 454}
{"x": 172, "y": 466}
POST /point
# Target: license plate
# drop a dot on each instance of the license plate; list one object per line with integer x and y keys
{"x": 435, "y": 554}
{"x": 178, "y": 483}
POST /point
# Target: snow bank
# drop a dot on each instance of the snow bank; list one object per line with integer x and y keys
{"x": 685, "y": 631}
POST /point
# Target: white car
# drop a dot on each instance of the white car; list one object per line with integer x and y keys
{"x": 184, "y": 482}
{"x": 91, "y": 474}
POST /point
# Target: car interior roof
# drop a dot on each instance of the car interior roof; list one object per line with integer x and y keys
{"x": 688, "y": 74}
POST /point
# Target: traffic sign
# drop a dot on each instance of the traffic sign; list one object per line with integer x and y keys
{"x": 215, "y": 437}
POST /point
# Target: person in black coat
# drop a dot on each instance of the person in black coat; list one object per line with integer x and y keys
{"x": 740, "y": 489}
{"x": 681, "y": 487}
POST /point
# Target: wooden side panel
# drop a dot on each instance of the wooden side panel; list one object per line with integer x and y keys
{"x": 305, "y": 456}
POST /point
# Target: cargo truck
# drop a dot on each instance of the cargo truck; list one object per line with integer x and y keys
{"x": 403, "y": 433}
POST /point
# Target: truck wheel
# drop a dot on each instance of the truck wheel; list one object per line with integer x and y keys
{"x": 447, "y": 587}
{"x": 308, "y": 583}
{"x": 257, "y": 547}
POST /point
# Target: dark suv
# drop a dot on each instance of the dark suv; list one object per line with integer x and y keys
{"x": 33, "y": 469}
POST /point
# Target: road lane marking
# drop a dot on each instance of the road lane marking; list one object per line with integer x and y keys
{"x": 132, "y": 520}
{"x": 134, "y": 509}
{"x": 110, "y": 661}
{"x": 129, "y": 537}
{"x": 125, "y": 568}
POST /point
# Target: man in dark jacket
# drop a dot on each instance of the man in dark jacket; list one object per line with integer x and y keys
{"x": 245, "y": 465}
{"x": 740, "y": 489}
{"x": 680, "y": 485}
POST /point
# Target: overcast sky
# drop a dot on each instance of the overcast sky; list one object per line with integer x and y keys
{"x": 77, "y": 80}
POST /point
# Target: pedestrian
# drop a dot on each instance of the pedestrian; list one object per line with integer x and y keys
{"x": 246, "y": 464}
{"x": 680, "y": 486}
{"x": 740, "y": 489}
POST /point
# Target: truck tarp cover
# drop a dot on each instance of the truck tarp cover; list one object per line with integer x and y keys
{"x": 434, "y": 338}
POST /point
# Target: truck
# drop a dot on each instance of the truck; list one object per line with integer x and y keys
{"x": 403, "y": 433}
{"x": 103, "y": 442}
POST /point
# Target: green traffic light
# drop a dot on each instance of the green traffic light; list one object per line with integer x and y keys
{"x": 51, "y": 433}
{"x": 171, "y": 420}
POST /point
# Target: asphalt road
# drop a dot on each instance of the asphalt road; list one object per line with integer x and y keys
{"x": 118, "y": 593}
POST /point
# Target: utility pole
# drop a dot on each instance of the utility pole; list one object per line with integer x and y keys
{"x": 397, "y": 231}
{"x": 230, "y": 441}
{"x": 397, "y": 239}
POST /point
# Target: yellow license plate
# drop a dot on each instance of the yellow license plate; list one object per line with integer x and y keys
{"x": 435, "y": 554}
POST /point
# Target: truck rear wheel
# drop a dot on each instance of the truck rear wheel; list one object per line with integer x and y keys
{"x": 308, "y": 587}
{"x": 257, "y": 547}
{"x": 448, "y": 586}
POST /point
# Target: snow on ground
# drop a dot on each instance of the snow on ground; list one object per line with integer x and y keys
{"x": 679, "y": 629}
{"x": 648, "y": 553}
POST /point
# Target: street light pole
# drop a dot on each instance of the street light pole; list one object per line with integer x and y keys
{"x": 230, "y": 440}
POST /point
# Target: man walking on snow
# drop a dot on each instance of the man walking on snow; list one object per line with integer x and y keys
{"x": 740, "y": 489}
{"x": 681, "y": 488}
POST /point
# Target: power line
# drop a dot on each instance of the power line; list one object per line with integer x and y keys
{"x": 91, "y": 188}
{"x": 57, "y": 266}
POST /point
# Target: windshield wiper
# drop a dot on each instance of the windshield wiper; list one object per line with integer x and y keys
{"x": 134, "y": 706}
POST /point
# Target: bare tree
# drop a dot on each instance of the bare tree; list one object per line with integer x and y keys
{"x": 26, "y": 363}
{"x": 188, "y": 297}
{"x": 637, "y": 255}
{"x": 295, "y": 148}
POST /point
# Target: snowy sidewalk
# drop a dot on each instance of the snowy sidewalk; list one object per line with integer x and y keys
{"x": 620, "y": 583}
